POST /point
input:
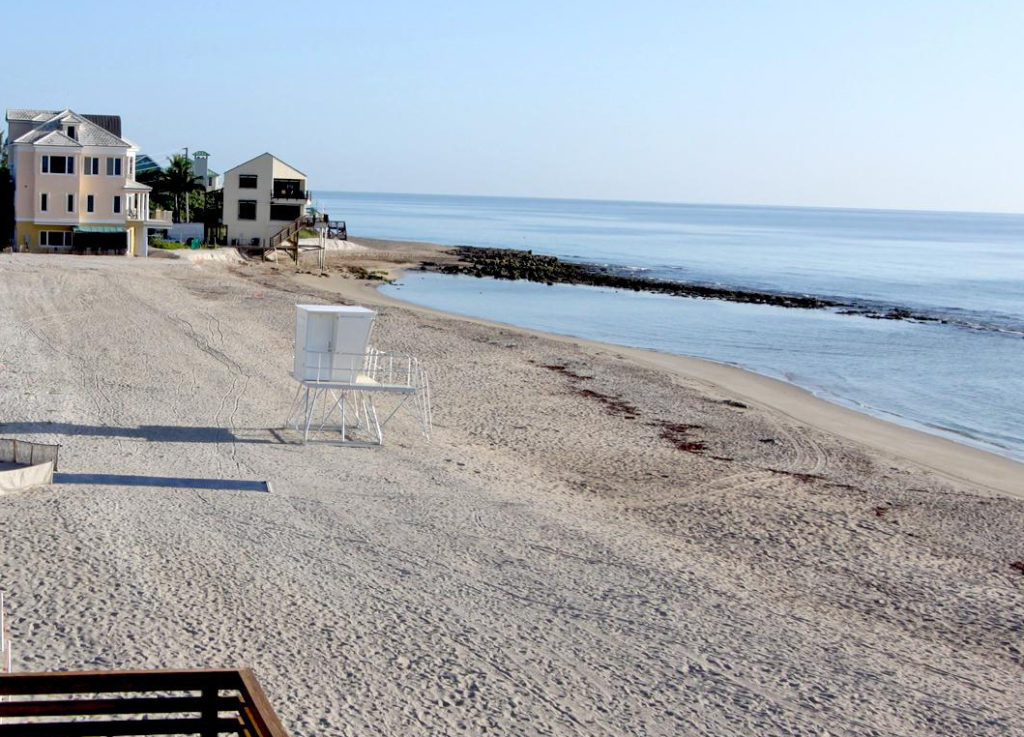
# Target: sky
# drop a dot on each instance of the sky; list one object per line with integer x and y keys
{"x": 896, "y": 104}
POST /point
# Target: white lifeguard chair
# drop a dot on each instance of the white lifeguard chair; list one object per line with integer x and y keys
{"x": 340, "y": 374}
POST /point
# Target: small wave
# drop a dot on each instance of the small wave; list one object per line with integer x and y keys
{"x": 985, "y": 322}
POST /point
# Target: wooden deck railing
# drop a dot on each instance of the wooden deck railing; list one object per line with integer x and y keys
{"x": 158, "y": 702}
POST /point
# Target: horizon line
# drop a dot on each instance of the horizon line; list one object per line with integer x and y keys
{"x": 845, "y": 208}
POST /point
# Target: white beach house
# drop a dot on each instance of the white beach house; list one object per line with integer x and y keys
{"x": 262, "y": 196}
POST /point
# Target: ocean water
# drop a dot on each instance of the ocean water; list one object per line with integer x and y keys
{"x": 963, "y": 379}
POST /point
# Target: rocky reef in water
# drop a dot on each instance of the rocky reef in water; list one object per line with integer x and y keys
{"x": 503, "y": 263}
{"x": 514, "y": 264}
{"x": 508, "y": 263}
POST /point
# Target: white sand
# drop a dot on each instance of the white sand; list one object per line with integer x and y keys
{"x": 545, "y": 565}
{"x": 224, "y": 255}
{"x": 334, "y": 244}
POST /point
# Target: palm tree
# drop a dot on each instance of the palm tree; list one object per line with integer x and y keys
{"x": 179, "y": 181}
{"x": 6, "y": 199}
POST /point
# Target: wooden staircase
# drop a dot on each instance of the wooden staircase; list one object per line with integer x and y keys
{"x": 289, "y": 234}
{"x": 287, "y": 238}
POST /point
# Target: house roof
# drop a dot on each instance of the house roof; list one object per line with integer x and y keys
{"x": 111, "y": 123}
{"x": 265, "y": 153}
{"x": 49, "y": 138}
{"x": 145, "y": 163}
{"x": 50, "y": 131}
{"x": 36, "y": 115}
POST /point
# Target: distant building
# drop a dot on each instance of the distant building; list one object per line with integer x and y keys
{"x": 75, "y": 188}
{"x": 144, "y": 165}
{"x": 262, "y": 196}
{"x": 204, "y": 174}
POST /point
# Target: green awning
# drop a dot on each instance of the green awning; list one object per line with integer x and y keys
{"x": 98, "y": 229}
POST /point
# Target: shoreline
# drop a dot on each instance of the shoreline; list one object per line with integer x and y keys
{"x": 988, "y": 472}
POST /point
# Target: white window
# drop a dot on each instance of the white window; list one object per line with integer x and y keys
{"x": 91, "y": 165}
{"x": 90, "y": 203}
{"x": 44, "y": 202}
{"x": 58, "y": 164}
{"x": 113, "y": 166}
{"x": 71, "y": 203}
{"x": 117, "y": 204}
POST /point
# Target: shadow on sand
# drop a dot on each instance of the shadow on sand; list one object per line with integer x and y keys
{"x": 172, "y": 482}
{"x": 154, "y": 434}
{"x": 150, "y": 433}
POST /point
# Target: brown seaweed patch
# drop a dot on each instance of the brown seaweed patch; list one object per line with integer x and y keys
{"x": 807, "y": 478}
{"x": 678, "y": 435}
{"x": 566, "y": 371}
{"x": 613, "y": 405}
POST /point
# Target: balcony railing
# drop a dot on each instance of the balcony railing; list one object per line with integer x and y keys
{"x": 162, "y": 216}
{"x": 289, "y": 193}
{"x": 204, "y": 702}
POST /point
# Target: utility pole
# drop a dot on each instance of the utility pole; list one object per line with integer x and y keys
{"x": 188, "y": 195}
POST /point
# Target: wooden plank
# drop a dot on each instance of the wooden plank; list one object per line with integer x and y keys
{"x": 92, "y": 707}
{"x": 29, "y": 684}
{"x": 264, "y": 718}
{"x": 209, "y": 713}
{"x": 119, "y": 728}
{"x": 255, "y": 716}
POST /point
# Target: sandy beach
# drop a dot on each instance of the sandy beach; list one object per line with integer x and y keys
{"x": 595, "y": 540}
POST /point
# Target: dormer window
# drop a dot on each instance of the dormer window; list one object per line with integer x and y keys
{"x": 71, "y": 133}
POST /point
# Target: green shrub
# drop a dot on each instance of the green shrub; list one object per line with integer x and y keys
{"x": 168, "y": 245}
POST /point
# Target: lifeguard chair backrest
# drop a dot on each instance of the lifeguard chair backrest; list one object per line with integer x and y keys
{"x": 331, "y": 342}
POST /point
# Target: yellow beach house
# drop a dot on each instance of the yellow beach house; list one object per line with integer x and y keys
{"x": 75, "y": 188}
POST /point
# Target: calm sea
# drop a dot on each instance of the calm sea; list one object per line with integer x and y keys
{"x": 963, "y": 379}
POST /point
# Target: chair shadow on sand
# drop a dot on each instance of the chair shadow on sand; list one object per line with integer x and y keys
{"x": 172, "y": 482}
{"x": 151, "y": 433}
{"x": 154, "y": 434}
